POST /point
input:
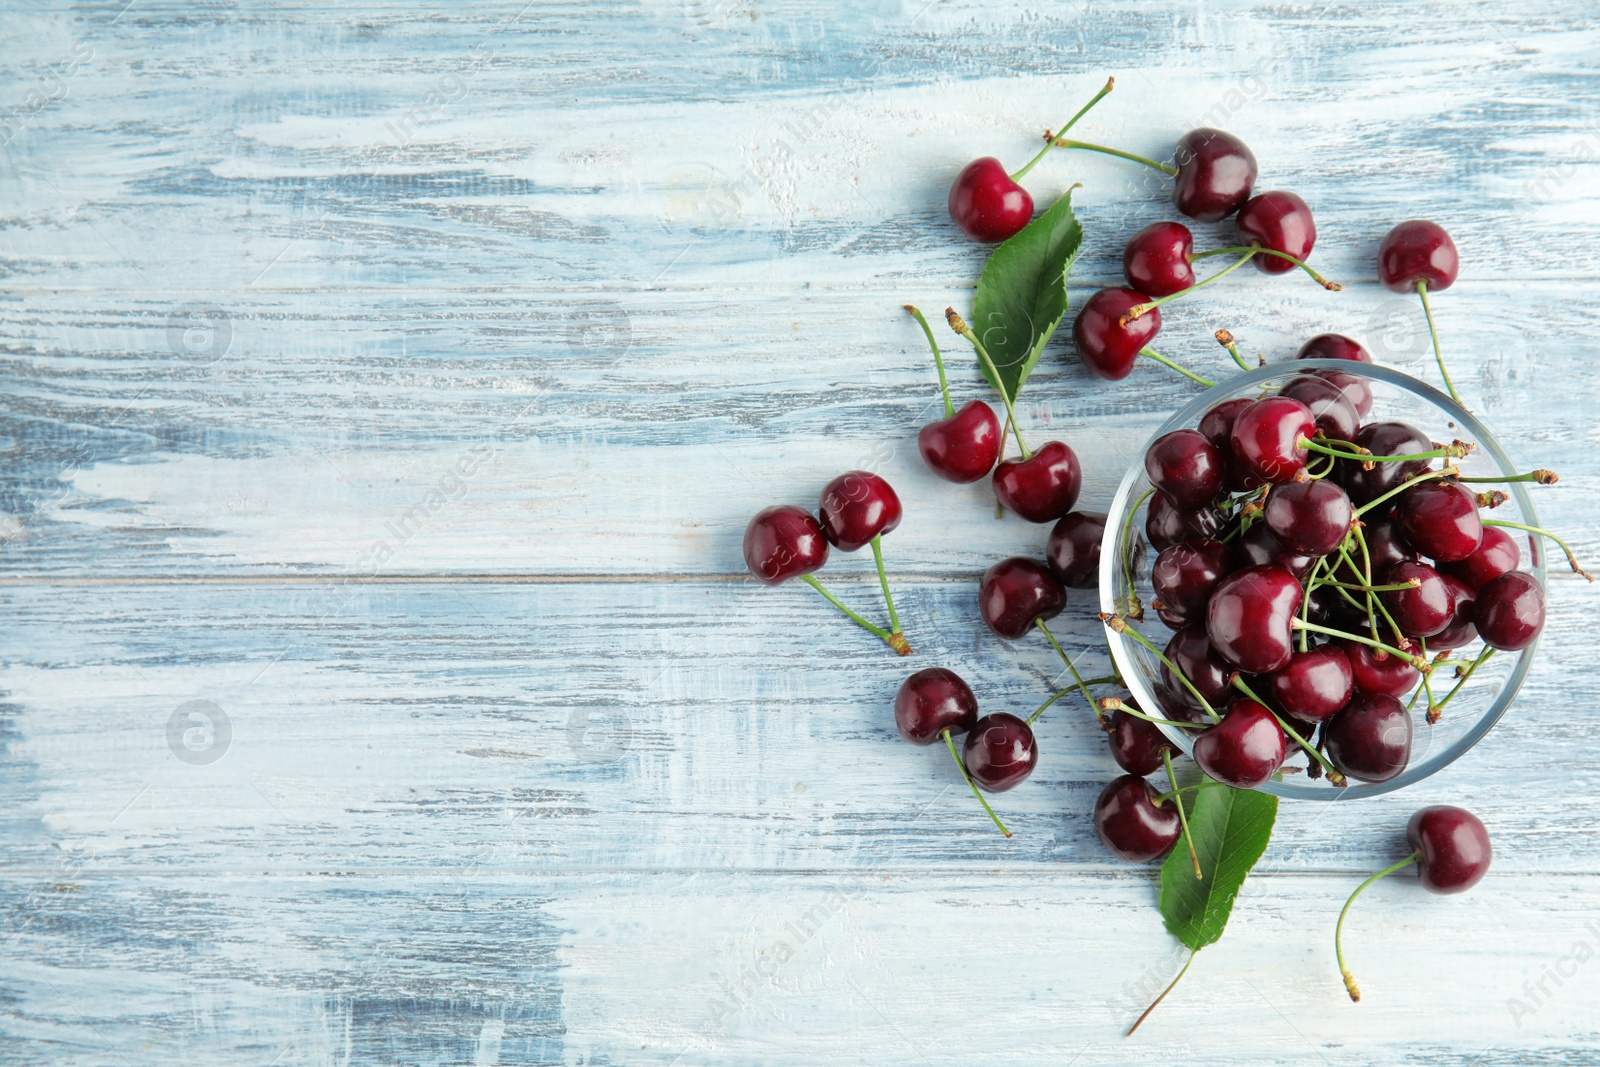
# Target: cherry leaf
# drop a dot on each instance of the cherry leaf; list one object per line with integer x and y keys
{"x": 1230, "y": 828}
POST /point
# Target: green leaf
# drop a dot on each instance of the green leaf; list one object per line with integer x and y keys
{"x": 1230, "y": 828}
{"x": 1022, "y": 294}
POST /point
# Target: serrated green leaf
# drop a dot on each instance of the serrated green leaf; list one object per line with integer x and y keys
{"x": 1022, "y": 294}
{"x": 1230, "y": 828}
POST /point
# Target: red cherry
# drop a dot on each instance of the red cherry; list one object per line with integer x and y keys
{"x": 1370, "y": 740}
{"x": 1215, "y": 173}
{"x": 1496, "y": 554}
{"x": 1454, "y": 847}
{"x": 856, "y": 507}
{"x": 1460, "y": 630}
{"x": 987, "y": 204}
{"x": 1266, "y": 438}
{"x": 964, "y": 447}
{"x": 1420, "y": 612}
{"x": 784, "y": 542}
{"x": 1328, "y": 403}
{"x": 1314, "y": 684}
{"x": 1104, "y": 344}
{"x": 1136, "y": 744}
{"x": 1073, "y": 551}
{"x": 1509, "y": 611}
{"x": 1191, "y": 652}
{"x": 1280, "y": 221}
{"x": 1043, "y": 487}
{"x": 1258, "y": 545}
{"x": 1337, "y": 346}
{"x": 1440, "y": 520}
{"x": 1131, "y": 825}
{"x": 1156, "y": 259}
{"x": 1000, "y": 752}
{"x": 1184, "y": 575}
{"x": 1417, "y": 250}
{"x": 1248, "y": 620}
{"x": 1311, "y": 517}
{"x": 933, "y": 701}
{"x": 1383, "y": 439}
{"x": 1217, "y": 424}
{"x": 1186, "y": 468}
{"x": 1378, "y": 672}
{"x": 1165, "y": 525}
{"x": 1245, "y": 749}
{"x": 1016, "y": 592}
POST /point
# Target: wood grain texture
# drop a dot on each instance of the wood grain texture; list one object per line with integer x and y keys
{"x": 393, "y": 385}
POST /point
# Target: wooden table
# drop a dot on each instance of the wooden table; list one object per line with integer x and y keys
{"x": 386, "y": 394}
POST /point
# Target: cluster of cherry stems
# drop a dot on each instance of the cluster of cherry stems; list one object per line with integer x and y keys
{"x": 1273, "y": 518}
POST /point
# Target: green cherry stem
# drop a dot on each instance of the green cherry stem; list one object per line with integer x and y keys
{"x": 1332, "y": 771}
{"x": 1170, "y": 986}
{"x": 1139, "y": 309}
{"x": 1040, "y": 710}
{"x": 1165, "y": 168}
{"x": 894, "y": 641}
{"x": 1225, "y": 339}
{"x": 1540, "y": 476}
{"x": 888, "y": 598}
{"x": 1116, "y": 704}
{"x": 1081, "y": 684}
{"x": 1448, "y": 471}
{"x": 951, "y": 745}
{"x": 1338, "y": 931}
{"x": 1415, "y": 661}
{"x": 1159, "y": 358}
{"x": 1427, "y": 311}
{"x": 1183, "y": 818}
{"x": 1125, "y": 550}
{"x": 1436, "y": 709}
{"x": 1571, "y": 559}
{"x": 1050, "y": 138}
{"x": 1255, "y": 250}
{"x": 938, "y": 360}
{"x": 1120, "y": 625}
{"x": 1455, "y": 451}
{"x": 959, "y": 325}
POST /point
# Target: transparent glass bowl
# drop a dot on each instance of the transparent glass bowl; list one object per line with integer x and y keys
{"x": 1472, "y": 712}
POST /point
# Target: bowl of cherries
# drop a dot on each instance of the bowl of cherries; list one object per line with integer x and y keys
{"x": 1324, "y": 577}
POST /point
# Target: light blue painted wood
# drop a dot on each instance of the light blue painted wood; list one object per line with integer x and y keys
{"x": 522, "y": 311}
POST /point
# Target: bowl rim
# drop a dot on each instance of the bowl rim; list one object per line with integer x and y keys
{"x": 1188, "y": 416}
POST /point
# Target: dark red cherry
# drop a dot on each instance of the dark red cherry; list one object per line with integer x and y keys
{"x": 1383, "y": 439}
{"x": 1280, "y": 221}
{"x": 1186, "y": 468}
{"x": 1174, "y": 707}
{"x": 933, "y": 701}
{"x": 1136, "y": 744}
{"x": 1460, "y": 630}
{"x": 1156, "y": 259}
{"x": 1314, "y": 684}
{"x": 1266, "y": 438}
{"x": 999, "y": 752}
{"x": 1217, "y": 424}
{"x": 1328, "y": 608}
{"x": 1311, "y": 517}
{"x": 1191, "y": 652}
{"x": 1073, "y": 550}
{"x": 1420, "y": 612}
{"x": 986, "y": 203}
{"x": 1184, "y": 575}
{"x": 784, "y": 542}
{"x": 1454, "y": 845}
{"x": 1258, "y": 545}
{"x": 1496, "y": 554}
{"x": 1245, "y": 749}
{"x": 1415, "y": 251}
{"x": 1248, "y": 618}
{"x": 1509, "y": 611}
{"x": 1370, "y": 740}
{"x": 856, "y": 507}
{"x": 1440, "y": 520}
{"x": 964, "y": 447}
{"x": 1104, "y": 345}
{"x": 1043, "y": 487}
{"x": 1215, "y": 174}
{"x": 1330, "y": 408}
{"x": 1017, "y": 591}
{"x": 1385, "y": 544}
{"x": 1165, "y": 525}
{"x": 1379, "y": 672}
{"x": 1356, "y": 388}
{"x": 1130, "y": 823}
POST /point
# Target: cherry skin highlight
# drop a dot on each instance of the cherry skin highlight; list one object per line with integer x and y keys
{"x": 1131, "y": 825}
{"x": 1330, "y": 407}
{"x": 1186, "y": 468}
{"x": 986, "y": 204}
{"x": 1245, "y": 749}
{"x": 1015, "y": 593}
{"x": 1266, "y": 438}
{"x": 1156, "y": 259}
{"x": 933, "y": 701}
{"x": 1103, "y": 343}
{"x": 1073, "y": 550}
{"x": 1454, "y": 847}
{"x": 1000, "y": 752}
{"x": 856, "y": 507}
{"x": 1216, "y": 171}
{"x": 1311, "y": 517}
{"x": 1417, "y": 250}
{"x": 1043, "y": 487}
{"x": 784, "y": 542}
{"x": 1509, "y": 611}
{"x": 1280, "y": 221}
{"x": 1370, "y": 740}
{"x": 1248, "y": 620}
{"x": 964, "y": 447}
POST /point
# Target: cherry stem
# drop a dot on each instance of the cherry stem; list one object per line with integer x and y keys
{"x": 1135, "y": 608}
{"x": 951, "y": 745}
{"x": 1040, "y": 710}
{"x": 1159, "y": 358}
{"x": 1225, "y": 339}
{"x": 1540, "y": 476}
{"x": 959, "y": 325}
{"x": 1451, "y": 451}
{"x": 1116, "y": 704}
{"x": 1434, "y": 709}
{"x": 938, "y": 360}
{"x": 1082, "y": 686}
{"x": 883, "y": 580}
{"x": 894, "y": 641}
{"x": 1415, "y": 661}
{"x": 1257, "y": 250}
{"x": 1571, "y": 559}
{"x": 1305, "y": 601}
{"x": 1122, "y": 627}
{"x": 1192, "y": 954}
{"x": 1183, "y": 818}
{"x": 1333, "y": 772}
{"x": 1049, "y": 138}
{"x": 1165, "y": 168}
{"x": 1397, "y": 587}
{"x": 1422, "y": 291}
{"x": 1449, "y": 471}
{"x": 1139, "y": 309}
{"x": 1338, "y": 931}
{"x": 1178, "y": 790}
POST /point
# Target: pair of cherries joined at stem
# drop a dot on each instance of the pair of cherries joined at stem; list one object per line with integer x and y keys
{"x": 855, "y": 510}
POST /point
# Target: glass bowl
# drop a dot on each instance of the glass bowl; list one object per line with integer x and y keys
{"x": 1471, "y": 713}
